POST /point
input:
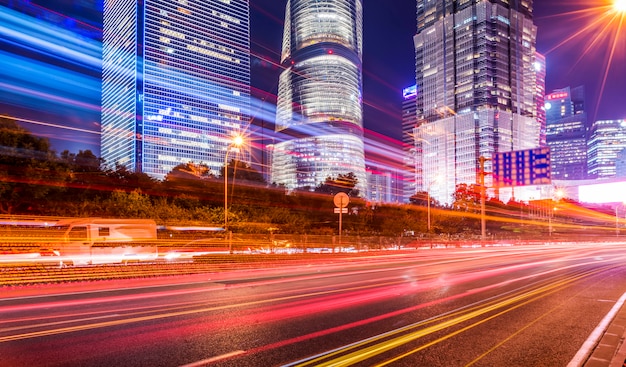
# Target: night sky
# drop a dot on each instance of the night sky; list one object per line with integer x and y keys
{"x": 388, "y": 61}
{"x": 389, "y": 66}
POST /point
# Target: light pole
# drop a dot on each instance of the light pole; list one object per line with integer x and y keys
{"x": 428, "y": 197}
{"x": 617, "y": 218}
{"x": 428, "y": 194}
{"x": 616, "y": 222}
{"x": 559, "y": 194}
{"x": 237, "y": 142}
{"x": 482, "y": 174}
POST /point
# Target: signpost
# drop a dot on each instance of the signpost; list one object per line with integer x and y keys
{"x": 341, "y": 201}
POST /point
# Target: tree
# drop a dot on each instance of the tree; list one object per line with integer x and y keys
{"x": 466, "y": 197}
{"x": 122, "y": 177}
{"x": 133, "y": 204}
{"x": 343, "y": 183}
{"x": 421, "y": 198}
{"x": 190, "y": 171}
{"x": 241, "y": 171}
{"x": 84, "y": 161}
{"x": 29, "y": 169}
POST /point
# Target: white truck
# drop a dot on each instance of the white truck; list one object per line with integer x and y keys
{"x": 87, "y": 241}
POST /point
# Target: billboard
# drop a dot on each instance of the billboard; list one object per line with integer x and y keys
{"x": 522, "y": 168}
{"x": 409, "y": 92}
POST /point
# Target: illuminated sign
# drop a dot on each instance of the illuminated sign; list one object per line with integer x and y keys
{"x": 409, "y": 92}
{"x": 559, "y": 95}
{"x": 522, "y": 167}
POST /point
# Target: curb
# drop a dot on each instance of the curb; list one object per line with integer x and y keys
{"x": 607, "y": 341}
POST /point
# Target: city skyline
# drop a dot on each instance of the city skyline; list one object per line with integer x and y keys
{"x": 388, "y": 64}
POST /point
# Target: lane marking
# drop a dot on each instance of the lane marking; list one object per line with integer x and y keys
{"x": 214, "y": 359}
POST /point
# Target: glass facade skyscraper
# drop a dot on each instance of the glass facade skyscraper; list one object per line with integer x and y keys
{"x": 412, "y": 166}
{"x": 606, "y": 141}
{"x": 176, "y": 82}
{"x": 319, "y": 107}
{"x": 567, "y": 133}
{"x": 477, "y": 81}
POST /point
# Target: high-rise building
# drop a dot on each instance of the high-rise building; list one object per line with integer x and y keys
{"x": 540, "y": 100}
{"x": 176, "y": 82}
{"x": 477, "y": 81}
{"x": 606, "y": 141}
{"x": 620, "y": 164}
{"x": 381, "y": 185}
{"x": 566, "y": 133}
{"x": 412, "y": 167}
{"x": 319, "y": 107}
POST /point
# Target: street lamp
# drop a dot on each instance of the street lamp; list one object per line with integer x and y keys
{"x": 617, "y": 218}
{"x": 558, "y": 194}
{"x": 236, "y": 142}
{"x": 428, "y": 197}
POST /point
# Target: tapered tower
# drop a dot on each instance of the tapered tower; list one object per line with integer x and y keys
{"x": 319, "y": 107}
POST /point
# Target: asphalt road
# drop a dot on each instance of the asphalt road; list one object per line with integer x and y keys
{"x": 501, "y": 306}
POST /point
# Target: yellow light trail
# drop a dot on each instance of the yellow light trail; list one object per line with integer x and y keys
{"x": 514, "y": 302}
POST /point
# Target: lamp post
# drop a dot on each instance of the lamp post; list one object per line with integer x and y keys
{"x": 237, "y": 142}
{"x": 482, "y": 174}
{"x": 617, "y": 218}
{"x": 557, "y": 194}
{"x": 616, "y": 222}
{"x": 428, "y": 198}
{"x": 428, "y": 194}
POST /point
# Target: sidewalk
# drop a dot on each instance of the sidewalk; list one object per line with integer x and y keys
{"x": 611, "y": 349}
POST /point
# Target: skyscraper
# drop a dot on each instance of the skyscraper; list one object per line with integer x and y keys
{"x": 566, "y": 133}
{"x": 412, "y": 166}
{"x": 540, "y": 96}
{"x": 319, "y": 107}
{"x": 475, "y": 72}
{"x": 606, "y": 141}
{"x": 176, "y": 82}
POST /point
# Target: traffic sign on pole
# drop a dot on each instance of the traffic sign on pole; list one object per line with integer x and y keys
{"x": 341, "y": 201}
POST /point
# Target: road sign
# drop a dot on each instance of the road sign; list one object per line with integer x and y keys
{"x": 341, "y": 200}
{"x": 522, "y": 167}
{"x": 341, "y": 210}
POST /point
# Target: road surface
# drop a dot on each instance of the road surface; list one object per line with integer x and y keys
{"x": 499, "y": 306}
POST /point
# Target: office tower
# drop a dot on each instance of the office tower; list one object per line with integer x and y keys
{"x": 540, "y": 100}
{"x": 381, "y": 185}
{"x": 606, "y": 141}
{"x": 477, "y": 82}
{"x": 566, "y": 133}
{"x": 176, "y": 82}
{"x": 319, "y": 107}
{"x": 412, "y": 167}
{"x": 620, "y": 164}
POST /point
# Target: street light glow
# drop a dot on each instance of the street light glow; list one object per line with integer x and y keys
{"x": 238, "y": 140}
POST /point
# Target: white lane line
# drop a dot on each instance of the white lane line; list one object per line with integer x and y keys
{"x": 213, "y": 359}
{"x": 591, "y": 342}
